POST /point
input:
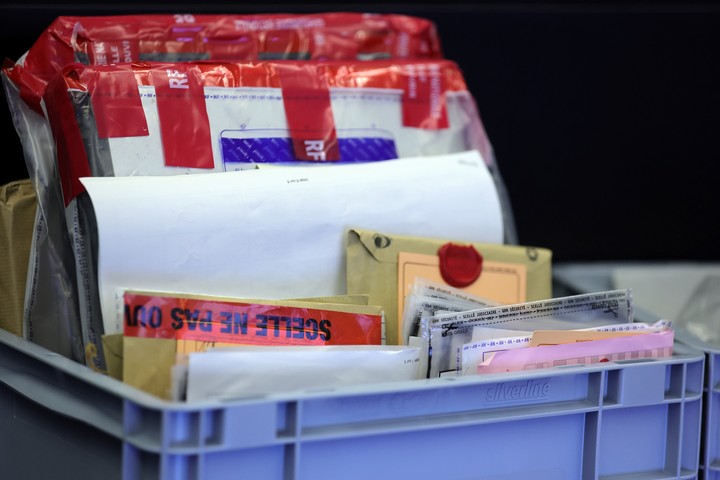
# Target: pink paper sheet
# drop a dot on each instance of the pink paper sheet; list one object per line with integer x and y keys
{"x": 650, "y": 345}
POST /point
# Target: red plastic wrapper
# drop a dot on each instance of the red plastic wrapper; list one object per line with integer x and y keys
{"x": 104, "y": 40}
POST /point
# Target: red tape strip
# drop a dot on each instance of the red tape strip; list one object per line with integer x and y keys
{"x": 184, "y": 123}
{"x": 306, "y": 98}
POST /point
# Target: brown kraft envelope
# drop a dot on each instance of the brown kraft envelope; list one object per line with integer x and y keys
{"x": 372, "y": 261}
{"x": 17, "y": 216}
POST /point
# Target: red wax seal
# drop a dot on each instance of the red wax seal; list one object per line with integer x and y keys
{"x": 460, "y": 265}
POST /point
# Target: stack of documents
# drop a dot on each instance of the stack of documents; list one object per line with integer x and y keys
{"x": 199, "y": 356}
{"x": 161, "y": 329}
{"x": 579, "y": 329}
{"x": 165, "y": 119}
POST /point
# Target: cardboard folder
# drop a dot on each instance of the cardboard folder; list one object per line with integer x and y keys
{"x": 374, "y": 262}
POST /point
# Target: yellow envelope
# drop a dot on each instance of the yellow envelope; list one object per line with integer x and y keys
{"x": 373, "y": 264}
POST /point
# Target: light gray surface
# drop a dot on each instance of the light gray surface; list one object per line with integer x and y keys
{"x": 682, "y": 292}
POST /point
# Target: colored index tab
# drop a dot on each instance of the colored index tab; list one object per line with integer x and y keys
{"x": 183, "y": 118}
{"x": 310, "y": 120}
{"x": 116, "y": 103}
{"x": 423, "y": 101}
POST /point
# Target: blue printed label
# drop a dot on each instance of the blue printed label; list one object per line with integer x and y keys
{"x": 280, "y": 150}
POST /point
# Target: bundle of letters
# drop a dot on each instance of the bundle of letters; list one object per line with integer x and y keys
{"x": 220, "y": 191}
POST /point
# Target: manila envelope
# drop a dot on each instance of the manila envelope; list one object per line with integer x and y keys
{"x": 523, "y": 273}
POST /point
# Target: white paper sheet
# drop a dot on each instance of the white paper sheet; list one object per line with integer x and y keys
{"x": 277, "y": 232}
{"x": 224, "y": 373}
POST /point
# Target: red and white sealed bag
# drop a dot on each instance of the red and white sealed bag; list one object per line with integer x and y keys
{"x": 114, "y": 39}
{"x": 51, "y": 304}
{"x": 169, "y": 118}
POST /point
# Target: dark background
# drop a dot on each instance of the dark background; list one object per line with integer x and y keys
{"x": 604, "y": 116}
